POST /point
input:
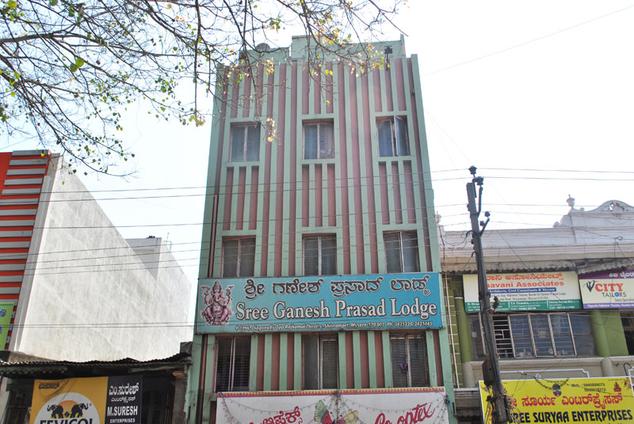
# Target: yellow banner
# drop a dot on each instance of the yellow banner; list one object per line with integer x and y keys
{"x": 70, "y": 401}
{"x": 572, "y": 400}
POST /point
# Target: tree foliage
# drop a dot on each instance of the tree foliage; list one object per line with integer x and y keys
{"x": 69, "y": 68}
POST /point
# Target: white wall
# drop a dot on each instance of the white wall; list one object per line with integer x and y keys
{"x": 88, "y": 295}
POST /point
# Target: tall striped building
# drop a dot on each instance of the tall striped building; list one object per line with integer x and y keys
{"x": 319, "y": 295}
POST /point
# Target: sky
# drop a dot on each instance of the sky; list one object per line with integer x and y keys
{"x": 538, "y": 95}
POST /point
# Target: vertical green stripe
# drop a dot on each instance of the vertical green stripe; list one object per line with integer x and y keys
{"x": 253, "y": 364}
{"x": 210, "y": 367}
{"x": 297, "y": 361}
{"x": 270, "y": 271}
{"x": 283, "y": 361}
{"x": 431, "y": 358}
{"x": 364, "y": 183}
{"x": 341, "y": 341}
{"x": 286, "y": 220}
{"x": 268, "y": 353}
{"x": 191, "y": 396}
{"x": 356, "y": 354}
{"x": 345, "y": 85}
{"x": 372, "y": 359}
{"x": 387, "y": 358}
{"x": 299, "y": 154}
{"x": 391, "y": 207}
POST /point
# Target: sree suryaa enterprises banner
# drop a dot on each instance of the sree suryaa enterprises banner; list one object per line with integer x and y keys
{"x": 567, "y": 400}
{"x": 532, "y": 291}
{"x": 417, "y": 405}
{"x": 607, "y": 290}
{"x": 371, "y": 301}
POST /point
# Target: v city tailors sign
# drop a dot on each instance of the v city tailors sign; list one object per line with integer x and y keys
{"x": 535, "y": 291}
{"x": 570, "y": 400}
{"x": 607, "y": 290}
{"x": 372, "y": 301}
{"x": 412, "y": 406}
{"x": 94, "y": 400}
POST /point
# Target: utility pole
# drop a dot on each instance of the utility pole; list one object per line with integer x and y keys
{"x": 491, "y": 365}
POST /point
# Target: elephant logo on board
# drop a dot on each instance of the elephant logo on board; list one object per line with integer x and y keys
{"x": 57, "y": 411}
{"x": 77, "y": 410}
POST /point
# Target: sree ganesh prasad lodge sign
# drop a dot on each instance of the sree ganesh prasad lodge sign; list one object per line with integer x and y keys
{"x": 315, "y": 303}
{"x": 532, "y": 291}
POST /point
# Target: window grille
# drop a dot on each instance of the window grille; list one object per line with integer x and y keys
{"x": 321, "y": 359}
{"x": 232, "y": 368}
{"x": 409, "y": 361}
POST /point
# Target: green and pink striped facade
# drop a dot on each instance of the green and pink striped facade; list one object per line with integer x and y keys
{"x": 357, "y": 196}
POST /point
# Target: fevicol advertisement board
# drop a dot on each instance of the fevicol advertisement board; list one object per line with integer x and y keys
{"x": 532, "y": 291}
{"x": 329, "y": 302}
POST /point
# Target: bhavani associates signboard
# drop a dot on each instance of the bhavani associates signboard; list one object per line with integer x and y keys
{"x": 93, "y": 400}
{"x": 569, "y": 400}
{"x": 533, "y": 291}
{"x": 416, "y": 405}
{"x": 607, "y": 289}
{"x": 370, "y": 301}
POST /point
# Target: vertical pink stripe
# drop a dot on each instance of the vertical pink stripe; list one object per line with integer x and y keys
{"x": 228, "y": 189}
{"x": 400, "y": 84}
{"x": 280, "y": 146}
{"x": 259, "y": 379}
{"x": 365, "y": 374}
{"x": 329, "y": 89}
{"x": 369, "y": 172}
{"x": 293, "y": 180}
{"x": 385, "y": 212}
{"x": 332, "y": 197}
{"x": 305, "y": 196}
{"x": 396, "y": 191}
{"x": 409, "y": 194}
{"x": 253, "y": 190}
{"x": 419, "y": 164}
{"x": 242, "y": 177}
{"x": 376, "y": 75}
{"x": 318, "y": 196}
{"x": 358, "y": 205}
{"x": 388, "y": 90}
{"x": 275, "y": 361}
{"x": 345, "y": 183}
{"x": 291, "y": 363}
{"x": 305, "y": 88}
{"x": 258, "y": 93}
{"x": 246, "y": 99}
{"x": 349, "y": 360}
{"x": 318, "y": 93}
{"x": 378, "y": 351}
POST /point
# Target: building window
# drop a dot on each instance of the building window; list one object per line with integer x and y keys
{"x": 393, "y": 136}
{"x": 232, "y": 368}
{"x": 319, "y": 140}
{"x": 245, "y": 142}
{"x": 238, "y": 257}
{"x": 409, "y": 361}
{"x": 627, "y": 318}
{"x": 401, "y": 251}
{"x": 321, "y": 355}
{"x": 544, "y": 335}
{"x": 320, "y": 255}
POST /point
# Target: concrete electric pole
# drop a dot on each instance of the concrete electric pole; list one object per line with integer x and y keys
{"x": 491, "y": 365}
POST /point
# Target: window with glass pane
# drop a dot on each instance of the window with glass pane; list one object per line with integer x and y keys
{"x": 582, "y": 333}
{"x": 319, "y": 140}
{"x": 409, "y": 361}
{"x": 401, "y": 251}
{"x": 560, "y": 325}
{"x": 232, "y": 367}
{"x": 238, "y": 257}
{"x": 520, "y": 331}
{"x": 320, "y": 255}
{"x": 245, "y": 142}
{"x": 540, "y": 328}
{"x": 393, "y": 140}
{"x": 321, "y": 354}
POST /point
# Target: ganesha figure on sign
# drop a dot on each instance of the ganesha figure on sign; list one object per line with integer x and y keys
{"x": 218, "y": 304}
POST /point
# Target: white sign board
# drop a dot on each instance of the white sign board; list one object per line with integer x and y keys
{"x": 533, "y": 291}
{"x": 381, "y": 406}
{"x": 606, "y": 290}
